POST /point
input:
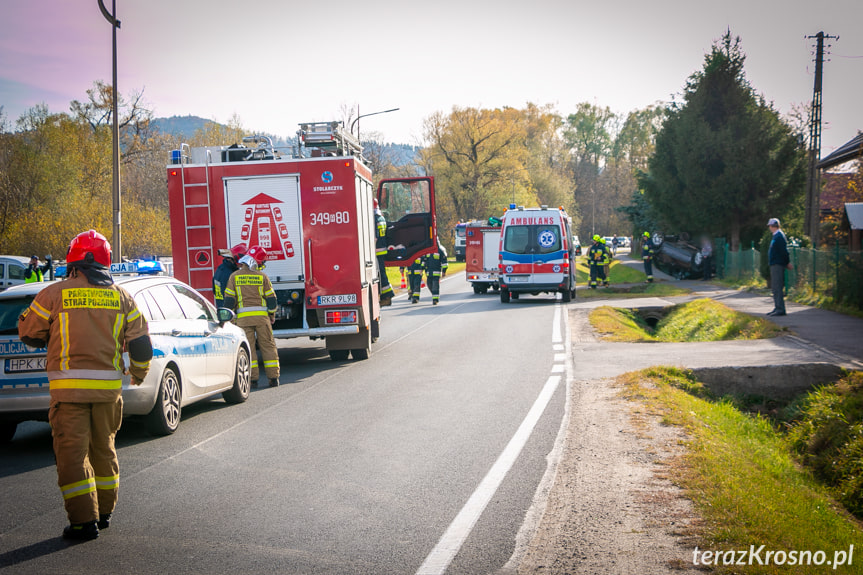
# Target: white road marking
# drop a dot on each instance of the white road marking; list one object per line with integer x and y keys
{"x": 450, "y": 543}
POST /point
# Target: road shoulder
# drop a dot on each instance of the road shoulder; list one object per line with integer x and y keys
{"x": 611, "y": 507}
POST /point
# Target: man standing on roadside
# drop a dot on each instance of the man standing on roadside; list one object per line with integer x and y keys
{"x": 778, "y": 260}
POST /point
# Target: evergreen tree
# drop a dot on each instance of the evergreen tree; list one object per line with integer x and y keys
{"x": 724, "y": 160}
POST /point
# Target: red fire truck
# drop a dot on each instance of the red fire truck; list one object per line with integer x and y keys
{"x": 482, "y": 244}
{"x": 312, "y": 212}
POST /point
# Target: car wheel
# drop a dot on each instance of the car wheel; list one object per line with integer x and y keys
{"x": 567, "y": 295}
{"x": 242, "y": 379}
{"x": 339, "y": 354}
{"x": 504, "y": 295}
{"x": 164, "y": 418}
{"x": 7, "y": 431}
{"x": 476, "y": 289}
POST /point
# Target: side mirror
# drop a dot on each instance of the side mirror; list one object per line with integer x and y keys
{"x": 225, "y": 315}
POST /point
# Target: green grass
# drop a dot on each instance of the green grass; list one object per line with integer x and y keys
{"x": 743, "y": 479}
{"x": 699, "y": 320}
{"x": 618, "y": 273}
{"x": 826, "y": 430}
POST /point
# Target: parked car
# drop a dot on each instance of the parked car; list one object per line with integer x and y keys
{"x": 197, "y": 354}
{"x": 12, "y": 270}
{"x": 677, "y": 256}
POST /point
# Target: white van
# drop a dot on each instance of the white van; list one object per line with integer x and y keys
{"x": 536, "y": 253}
{"x": 12, "y": 270}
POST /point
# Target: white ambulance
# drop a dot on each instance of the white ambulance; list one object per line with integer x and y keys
{"x": 536, "y": 253}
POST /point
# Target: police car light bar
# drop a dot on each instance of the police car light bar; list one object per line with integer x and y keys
{"x": 141, "y": 267}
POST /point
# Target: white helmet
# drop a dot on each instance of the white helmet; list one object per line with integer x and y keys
{"x": 249, "y": 261}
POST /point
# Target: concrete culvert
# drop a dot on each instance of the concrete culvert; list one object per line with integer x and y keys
{"x": 651, "y": 315}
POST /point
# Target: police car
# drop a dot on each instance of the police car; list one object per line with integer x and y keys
{"x": 197, "y": 354}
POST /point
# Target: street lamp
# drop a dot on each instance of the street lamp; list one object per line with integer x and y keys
{"x": 115, "y": 183}
{"x": 593, "y": 225}
{"x": 363, "y": 116}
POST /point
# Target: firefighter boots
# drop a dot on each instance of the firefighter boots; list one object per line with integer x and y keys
{"x": 81, "y": 531}
{"x": 104, "y": 521}
{"x": 274, "y": 382}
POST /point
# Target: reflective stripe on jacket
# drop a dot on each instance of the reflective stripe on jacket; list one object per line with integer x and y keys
{"x": 87, "y": 328}
{"x": 251, "y": 293}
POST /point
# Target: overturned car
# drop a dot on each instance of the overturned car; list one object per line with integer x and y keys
{"x": 677, "y": 256}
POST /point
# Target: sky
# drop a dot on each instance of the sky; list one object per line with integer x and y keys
{"x": 277, "y": 63}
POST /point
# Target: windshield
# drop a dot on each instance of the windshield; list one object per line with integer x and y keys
{"x": 10, "y": 309}
{"x": 460, "y": 230}
{"x": 532, "y": 239}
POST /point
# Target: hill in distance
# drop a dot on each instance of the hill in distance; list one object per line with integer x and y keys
{"x": 184, "y": 127}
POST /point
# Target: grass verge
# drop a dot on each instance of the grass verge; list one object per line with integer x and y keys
{"x": 699, "y": 320}
{"x": 746, "y": 485}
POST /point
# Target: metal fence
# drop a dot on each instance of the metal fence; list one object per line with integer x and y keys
{"x": 836, "y": 273}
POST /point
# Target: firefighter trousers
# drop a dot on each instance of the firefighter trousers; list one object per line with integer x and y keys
{"x": 433, "y": 282}
{"x": 386, "y": 288}
{"x": 648, "y": 269}
{"x": 597, "y": 271}
{"x": 88, "y": 471}
{"x": 416, "y": 280}
{"x": 259, "y": 328}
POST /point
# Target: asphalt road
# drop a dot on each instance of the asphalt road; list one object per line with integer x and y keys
{"x": 423, "y": 459}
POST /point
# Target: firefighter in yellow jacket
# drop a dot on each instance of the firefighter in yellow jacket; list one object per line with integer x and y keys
{"x": 251, "y": 294}
{"x": 86, "y": 322}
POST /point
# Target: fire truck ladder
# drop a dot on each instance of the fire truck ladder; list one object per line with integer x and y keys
{"x": 192, "y": 264}
{"x": 329, "y": 137}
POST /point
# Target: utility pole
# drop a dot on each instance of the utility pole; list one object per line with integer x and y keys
{"x": 116, "y": 242}
{"x": 812, "y": 225}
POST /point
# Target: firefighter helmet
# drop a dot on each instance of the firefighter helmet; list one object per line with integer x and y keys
{"x": 89, "y": 247}
{"x": 375, "y": 203}
{"x": 239, "y": 250}
{"x": 258, "y": 254}
{"x": 647, "y": 234}
{"x": 596, "y": 237}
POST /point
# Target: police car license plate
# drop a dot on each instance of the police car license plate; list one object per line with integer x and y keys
{"x": 25, "y": 364}
{"x": 340, "y": 299}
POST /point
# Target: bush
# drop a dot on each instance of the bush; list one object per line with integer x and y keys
{"x": 828, "y": 434}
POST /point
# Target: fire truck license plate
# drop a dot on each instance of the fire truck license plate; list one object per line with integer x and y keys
{"x": 24, "y": 364}
{"x": 337, "y": 299}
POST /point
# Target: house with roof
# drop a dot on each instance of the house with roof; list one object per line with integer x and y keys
{"x": 841, "y": 202}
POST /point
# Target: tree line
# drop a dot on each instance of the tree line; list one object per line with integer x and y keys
{"x": 718, "y": 159}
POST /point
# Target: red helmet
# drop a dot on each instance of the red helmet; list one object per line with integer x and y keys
{"x": 258, "y": 254}
{"x": 239, "y": 250}
{"x": 90, "y": 243}
{"x": 375, "y": 203}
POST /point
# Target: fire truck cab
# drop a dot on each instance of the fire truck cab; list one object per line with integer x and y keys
{"x": 311, "y": 209}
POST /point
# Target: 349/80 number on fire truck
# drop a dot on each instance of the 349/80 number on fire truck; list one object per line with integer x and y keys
{"x": 323, "y": 219}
